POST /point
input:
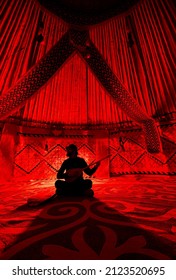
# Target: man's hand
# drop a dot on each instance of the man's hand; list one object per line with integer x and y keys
{"x": 97, "y": 164}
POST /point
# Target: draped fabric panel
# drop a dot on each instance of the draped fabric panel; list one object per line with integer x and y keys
{"x": 36, "y": 77}
{"x": 60, "y": 94}
{"x": 158, "y": 51}
{"x": 104, "y": 109}
{"x": 20, "y": 27}
{"x": 8, "y": 144}
{"x": 146, "y": 67}
{"x": 114, "y": 48}
{"x": 71, "y": 103}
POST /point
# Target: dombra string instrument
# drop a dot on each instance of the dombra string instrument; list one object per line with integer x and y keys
{"x": 75, "y": 173}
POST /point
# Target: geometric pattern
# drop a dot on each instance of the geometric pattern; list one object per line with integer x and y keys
{"x": 27, "y": 159}
{"x": 169, "y": 149}
{"x": 86, "y": 152}
{"x": 132, "y": 151}
{"x": 130, "y": 218}
{"x": 55, "y": 155}
{"x": 42, "y": 157}
{"x": 133, "y": 158}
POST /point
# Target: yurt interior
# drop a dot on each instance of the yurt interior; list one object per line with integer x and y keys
{"x": 99, "y": 76}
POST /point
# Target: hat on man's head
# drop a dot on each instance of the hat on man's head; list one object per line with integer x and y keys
{"x": 72, "y": 147}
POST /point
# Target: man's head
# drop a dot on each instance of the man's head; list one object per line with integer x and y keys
{"x": 72, "y": 150}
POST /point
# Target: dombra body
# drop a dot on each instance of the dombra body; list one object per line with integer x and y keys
{"x": 73, "y": 174}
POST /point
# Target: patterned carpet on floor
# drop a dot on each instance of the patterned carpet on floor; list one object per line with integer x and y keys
{"x": 130, "y": 217}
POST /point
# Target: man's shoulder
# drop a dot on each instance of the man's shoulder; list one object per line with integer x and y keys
{"x": 66, "y": 161}
{"x": 82, "y": 161}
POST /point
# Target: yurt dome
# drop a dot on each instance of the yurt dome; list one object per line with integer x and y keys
{"x": 90, "y": 67}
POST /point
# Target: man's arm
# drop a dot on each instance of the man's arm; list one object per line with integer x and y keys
{"x": 90, "y": 171}
{"x": 61, "y": 174}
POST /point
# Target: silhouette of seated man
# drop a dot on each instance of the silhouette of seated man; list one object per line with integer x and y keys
{"x": 72, "y": 171}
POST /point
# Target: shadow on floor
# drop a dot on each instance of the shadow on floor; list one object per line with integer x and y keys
{"x": 77, "y": 228}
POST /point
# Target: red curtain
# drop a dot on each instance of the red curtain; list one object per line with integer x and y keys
{"x": 20, "y": 29}
{"x": 147, "y": 67}
{"x": 74, "y": 96}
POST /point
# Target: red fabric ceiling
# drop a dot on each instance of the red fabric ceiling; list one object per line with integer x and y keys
{"x": 73, "y": 95}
